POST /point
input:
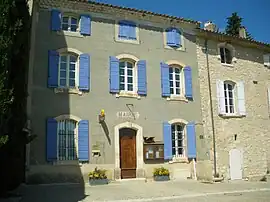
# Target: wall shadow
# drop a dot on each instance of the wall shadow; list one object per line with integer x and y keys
{"x": 47, "y": 104}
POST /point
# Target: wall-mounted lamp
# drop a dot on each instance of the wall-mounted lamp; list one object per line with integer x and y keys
{"x": 101, "y": 116}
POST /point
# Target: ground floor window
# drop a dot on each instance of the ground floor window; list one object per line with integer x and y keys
{"x": 178, "y": 149}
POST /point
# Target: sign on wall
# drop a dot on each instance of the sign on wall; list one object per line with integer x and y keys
{"x": 127, "y": 114}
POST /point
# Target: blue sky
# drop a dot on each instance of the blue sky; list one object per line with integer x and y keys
{"x": 255, "y": 13}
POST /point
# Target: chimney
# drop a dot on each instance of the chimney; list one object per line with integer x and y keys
{"x": 242, "y": 32}
{"x": 210, "y": 26}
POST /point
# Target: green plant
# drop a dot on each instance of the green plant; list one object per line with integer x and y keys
{"x": 161, "y": 172}
{"x": 97, "y": 174}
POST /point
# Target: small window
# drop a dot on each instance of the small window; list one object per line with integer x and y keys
{"x": 68, "y": 70}
{"x": 67, "y": 144}
{"x": 225, "y": 55}
{"x": 229, "y": 93}
{"x": 176, "y": 80}
{"x": 126, "y": 75}
{"x": 69, "y": 24}
{"x": 178, "y": 146}
{"x": 127, "y": 30}
{"x": 173, "y": 38}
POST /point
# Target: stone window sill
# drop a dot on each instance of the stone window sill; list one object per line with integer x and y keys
{"x": 68, "y": 90}
{"x": 67, "y": 162}
{"x": 179, "y": 160}
{"x": 182, "y": 48}
{"x": 72, "y": 34}
{"x": 231, "y": 115}
{"x": 128, "y": 94}
{"x": 127, "y": 41}
{"x": 177, "y": 98}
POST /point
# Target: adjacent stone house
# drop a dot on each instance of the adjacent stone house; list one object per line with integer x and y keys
{"x": 234, "y": 75}
{"x": 111, "y": 87}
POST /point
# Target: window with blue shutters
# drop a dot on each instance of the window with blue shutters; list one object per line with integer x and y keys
{"x": 178, "y": 140}
{"x": 173, "y": 38}
{"x": 69, "y": 23}
{"x": 68, "y": 71}
{"x": 127, "y": 31}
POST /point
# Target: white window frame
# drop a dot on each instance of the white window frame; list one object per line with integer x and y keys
{"x": 232, "y": 52}
{"x": 75, "y": 140}
{"x": 126, "y": 75}
{"x": 68, "y": 54}
{"x": 69, "y": 22}
{"x": 182, "y": 81}
{"x": 182, "y": 38}
{"x": 266, "y": 60}
{"x": 177, "y": 156}
{"x": 234, "y": 94}
{"x": 116, "y": 33}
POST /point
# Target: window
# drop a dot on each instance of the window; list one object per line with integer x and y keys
{"x": 67, "y": 144}
{"x": 225, "y": 55}
{"x": 173, "y": 37}
{"x": 266, "y": 60}
{"x": 176, "y": 80}
{"x": 69, "y": 24}
{"x": 229, "y": 93}
{"x": 68, "y": 71}
{"x": 178, "y": 140}
{"x": 126, "y": 75}
{"x": 127, "y": 31}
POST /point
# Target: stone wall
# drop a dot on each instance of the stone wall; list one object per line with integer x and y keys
{"x": 252, "y": 130}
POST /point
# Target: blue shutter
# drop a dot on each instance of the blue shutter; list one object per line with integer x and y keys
{"x": 191, "y": 140}
{"x": 165, "y": 82}
{"x": 83, "y": 140}
{"x": 170, "y": 37}
{"x": 132, "y": 32}
{"x": 84, "y": 72}
{"x": 123, "y": 30}
{"x": 51, "y": 139}
{"x": 53, "y": 69}
{"x": 167, "y": 139}
{"x": 177, "y": 36}
{"x": 56, "y": 18}
{"x": 188, "y": 82}
{"x": 142, "y": 85}
{"x": 114, "y": 74}
{"x": 85, "y": 25}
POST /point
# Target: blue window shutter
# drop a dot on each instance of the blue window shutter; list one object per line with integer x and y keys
{"x": 51, "y": 139}
{"x": 220, "y": 97}
{"x": 170, "y": 37}
{"x": 56, "y": 18}
{"x": 123, "y": 30}
{"x": 142, "y": 81}
{"x": 177, "y": 36}
{"x": 85, "y": 25}
{"x": 114, "y": 74}
{"x": 132, "y": 32}
{"x": 188, "y": 82}
{"x": 165, "y": 82}
{"x": 241, "y": 98}
{"x": 191, "y": 140}
{"x": 167, "y": 139}
{"x": 83, "y": 140}
{"x": 53, "y": 69}
{"x": 84, "y": 72}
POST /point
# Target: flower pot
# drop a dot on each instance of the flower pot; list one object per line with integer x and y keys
{"x": 94, "y": 182}
{"x": 162, "y": 178}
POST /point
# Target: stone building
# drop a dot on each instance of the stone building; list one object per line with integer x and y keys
{"x": 111, "y": 87}
{"x": 234, "y": 75}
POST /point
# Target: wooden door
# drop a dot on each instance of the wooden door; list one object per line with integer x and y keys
{"x": 128, "y": 153}
{"x": 235, "y": 164}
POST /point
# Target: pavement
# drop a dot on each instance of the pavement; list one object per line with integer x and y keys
{"x": 139, "y": 191}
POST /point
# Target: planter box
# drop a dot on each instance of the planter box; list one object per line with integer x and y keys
{"x": 94, "y": 182}
{"x": 162, "y": 178}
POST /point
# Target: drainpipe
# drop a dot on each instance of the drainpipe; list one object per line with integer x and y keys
{"x": 211, "y": 106}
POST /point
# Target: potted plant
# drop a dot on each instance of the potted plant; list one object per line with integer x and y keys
{"x": 161, "y": 174}
{"x": 98, "y": 177}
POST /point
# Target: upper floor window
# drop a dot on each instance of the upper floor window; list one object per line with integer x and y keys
{"x": 67, "y": 139}
{"x": 127, "y": 76}
{"x": 266, "y": 60}
{"x": 225, "y": 55}
{"x": 127, "y": 31}
{"x": 70, "y": 23}
{"x": 231, "y": 98}
{"x": 174, "y": 39}
{"x": 176, "y": 81}
{"x": 69, "y": 70}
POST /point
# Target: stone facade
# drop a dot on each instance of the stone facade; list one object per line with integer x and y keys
{"x": 249, "y": 133}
